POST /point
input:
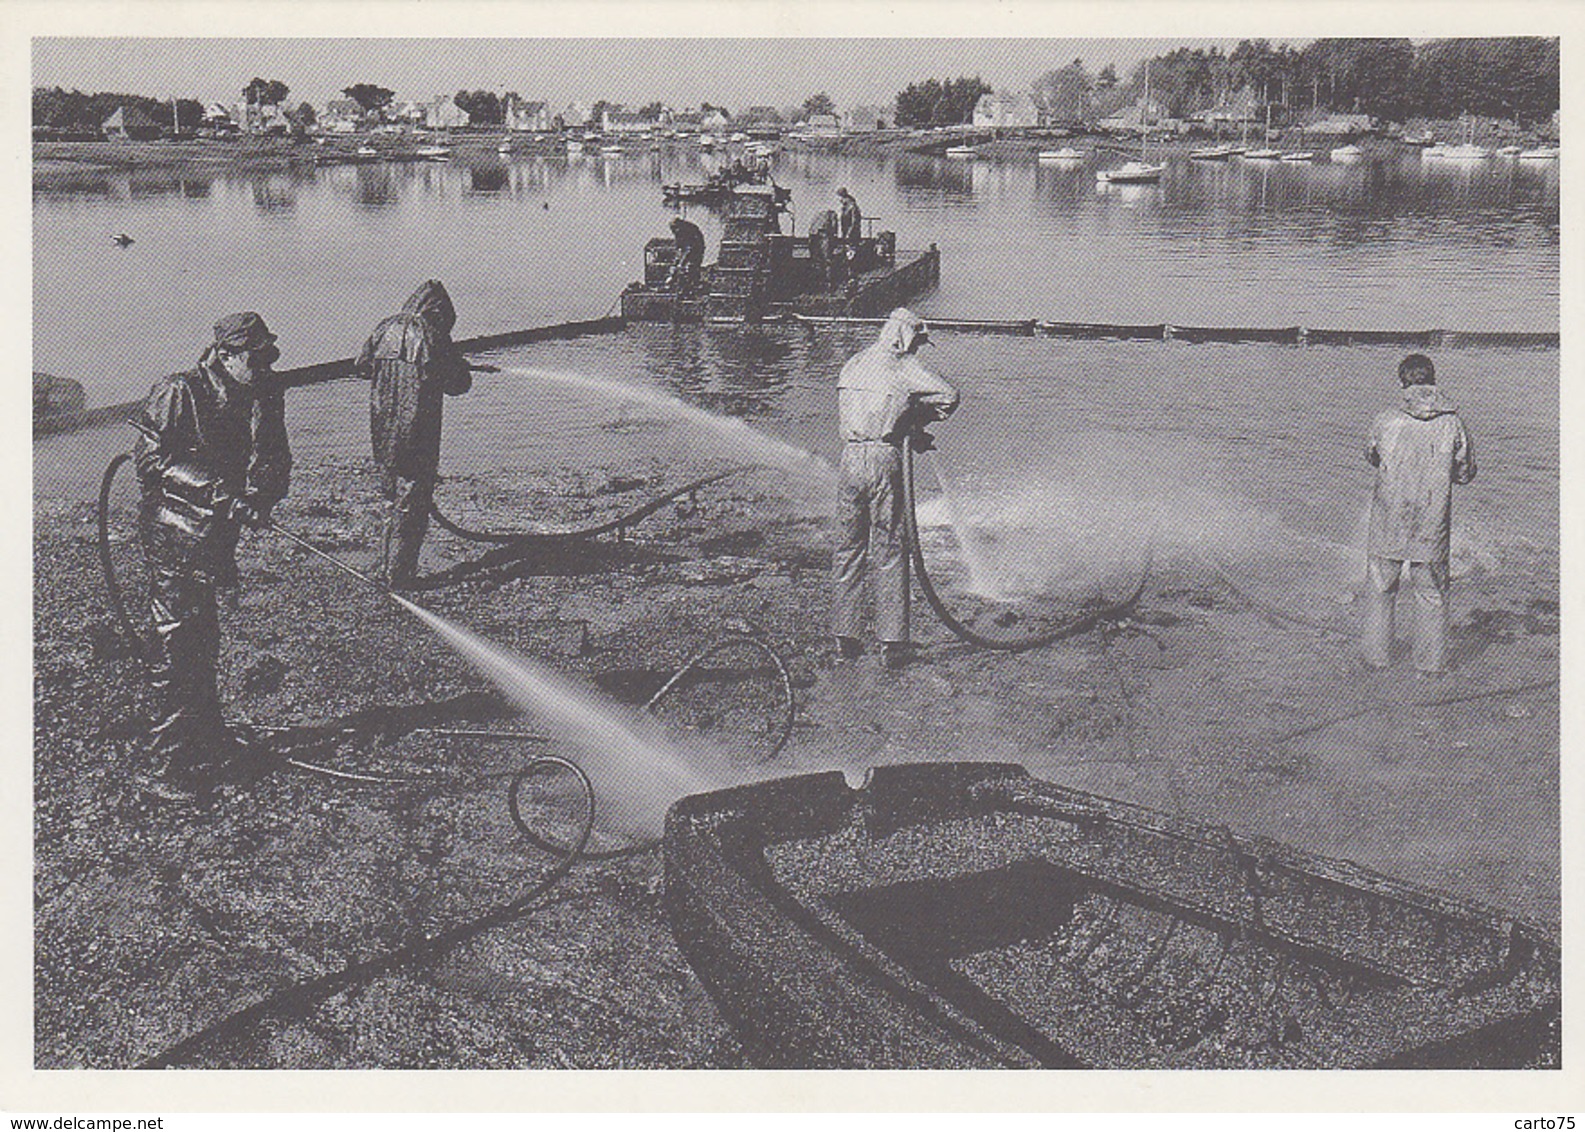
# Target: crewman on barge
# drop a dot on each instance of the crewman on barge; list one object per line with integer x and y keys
{"x": 212, "y": 457}
{"x": 885, "y": 397}
{"x": 413, "y": 366}
{"x": 684, "y": 276}
{"x": 1419, "y": 450}
{"x": 826, "y": 254}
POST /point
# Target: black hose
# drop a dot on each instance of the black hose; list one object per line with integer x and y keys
{"x": 300, "y": 997}
{"x": 1078, "y": 625}
{"x": 620, "y": 523}
{"x": 134, "y": 635}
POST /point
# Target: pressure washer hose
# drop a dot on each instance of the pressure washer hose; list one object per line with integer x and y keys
{"x": 107, "y": 564}
{"x": 1078, "y": 625}
{"x": 619, "y": 524}
{"x": 299, "y": 997}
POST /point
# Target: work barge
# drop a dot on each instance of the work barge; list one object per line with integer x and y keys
{"x": 762, "y": 274}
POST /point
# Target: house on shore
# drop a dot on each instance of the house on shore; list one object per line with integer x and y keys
{"x": 822, "y": 126}
{"x": 522, "y": 116}
{"x": 624, "y": 123}
{"x": 444, "y": 114}
{"x": 340, "y": 116}
{"x": 864, "y": 120}
{"x": 129, "y": 123}
{"x": 1006, "y": 110}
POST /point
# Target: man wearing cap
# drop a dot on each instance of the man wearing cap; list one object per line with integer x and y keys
{"x": 884, "y": 399}
{"x": 212, "y": 457}
{"x": 412, "y": 365}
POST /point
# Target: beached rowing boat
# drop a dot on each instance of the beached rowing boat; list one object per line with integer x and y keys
{"x": 967, "y": 915}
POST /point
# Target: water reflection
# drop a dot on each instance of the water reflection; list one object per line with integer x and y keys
{"x": 1234, "y": 243}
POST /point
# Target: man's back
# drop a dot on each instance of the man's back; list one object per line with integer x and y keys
{"x": 1420, "y": 449}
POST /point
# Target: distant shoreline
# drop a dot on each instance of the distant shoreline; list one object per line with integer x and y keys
{"x": 59, "y": 164}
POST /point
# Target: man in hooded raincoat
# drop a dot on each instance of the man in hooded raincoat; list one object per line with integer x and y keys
{"x": 412, "y": 363}
{"x": 1420, "y": 450}
{"x": 883, "y": 396}
{"x": 212, "y": 457}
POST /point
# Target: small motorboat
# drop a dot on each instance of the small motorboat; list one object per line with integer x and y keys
{"x": 1457, "y": 152}
{"x": 1066, "y": 153}
{"x": 1298, "y": 155}
{"x": 1213, "y": 153}
{"x": 1131, "y": 173}
{"x": 961, "y": 151}
{"x": 434, "y": 152}
{"x": 968, "y": 915}
{"x": 1542, "y": 153}
{"x": 1346, "y": 153}
{"x": 1420, "y": 140}
{"x": 1509, "y": 150}
{"x": 1263, "y": 154}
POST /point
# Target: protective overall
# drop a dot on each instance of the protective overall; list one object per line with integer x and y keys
{"x": 1420, "y": 451}
{"x": 412, "y": 365}
{"x": 690, "y": 255}
{"x": 825, "y": 250}
{"x": 212, "y": 454}
{"x": 883, "y": 394}
{"x": 848, "y": 222}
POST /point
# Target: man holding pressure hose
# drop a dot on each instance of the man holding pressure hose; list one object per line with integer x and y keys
{"x": 884, "y": 396}
{"x": 212, "y": 457}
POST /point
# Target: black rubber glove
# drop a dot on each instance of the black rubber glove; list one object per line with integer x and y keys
{"x": 251, "y": 512}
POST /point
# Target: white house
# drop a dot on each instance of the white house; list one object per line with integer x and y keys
{"x": 340, "y": 116}
{"x": 822, "y": 125}
{"x": 443, "y": 113}
{"x": 624, "y": 122}
{"x": 530, "y": 117}
{"x": 713, "y": 120}
{"x": 1007, "y": 110}
{"x": 864, "y": 120}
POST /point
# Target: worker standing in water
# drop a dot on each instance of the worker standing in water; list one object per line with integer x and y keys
{"x": 884, "y": 398}
{"x": 1420, "y": 450}
{"x": 212, "y": 457}
{"x": 684, "y": 276}
{"x": 413, "y": 365}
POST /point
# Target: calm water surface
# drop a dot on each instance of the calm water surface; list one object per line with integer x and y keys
{"x": 1242, "y": 437}
{"x": 1401, "y": 242}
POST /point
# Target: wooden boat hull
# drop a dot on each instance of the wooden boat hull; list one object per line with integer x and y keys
{"x": 970, "y": 916}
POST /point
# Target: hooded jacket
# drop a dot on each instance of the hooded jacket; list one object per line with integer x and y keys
{"x": 412, "y": 363}
{"x": 1420, "y": 450}
{"x": 206, "y": 442}
{"x": 883, "y": 391}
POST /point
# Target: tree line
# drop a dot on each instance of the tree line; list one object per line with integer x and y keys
{"x": 1393, "y": 79}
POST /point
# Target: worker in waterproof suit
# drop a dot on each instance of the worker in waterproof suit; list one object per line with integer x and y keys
{"x": 685, "y": 269}
{"x": 413, "y": 366}
{"x": 826, "y": 253}
{"x": 1420, "y": 450}
{"x": 884, "y": 399}
{"x": 212, "y": 457}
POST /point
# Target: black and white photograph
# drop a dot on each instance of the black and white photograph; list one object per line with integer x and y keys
{"x": 688, "y": 540}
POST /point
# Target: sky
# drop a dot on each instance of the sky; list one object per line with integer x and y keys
{"x": 735, "y": 73}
